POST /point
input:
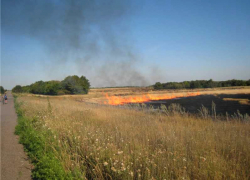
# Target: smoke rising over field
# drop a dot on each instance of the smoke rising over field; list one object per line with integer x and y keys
{"x": 91, "y": 35}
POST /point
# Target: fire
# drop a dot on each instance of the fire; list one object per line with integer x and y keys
{"x": 115, "y": 100}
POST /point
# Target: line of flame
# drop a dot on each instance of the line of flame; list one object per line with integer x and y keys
{"x": 115, "y": 100}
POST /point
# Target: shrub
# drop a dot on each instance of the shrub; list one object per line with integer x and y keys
{"x": 60, "y": 92}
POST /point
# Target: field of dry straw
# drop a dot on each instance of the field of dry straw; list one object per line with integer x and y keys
{"x": 104, "y": 142}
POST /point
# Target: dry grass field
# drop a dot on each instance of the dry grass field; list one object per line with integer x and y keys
{"x": 108, "y": 142}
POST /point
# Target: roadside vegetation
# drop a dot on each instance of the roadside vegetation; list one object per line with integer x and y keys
{"x": 200, "y": 84}
{"x": 35, "y": 140}
{"x": 68, "y": 139}
{"x": 70, "y": 85}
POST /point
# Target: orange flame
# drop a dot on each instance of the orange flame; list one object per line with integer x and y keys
{"x": 115, "y": 100}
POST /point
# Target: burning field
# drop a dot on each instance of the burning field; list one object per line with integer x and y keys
{"x": 114, "y": 100}
{"x": 227, "y": 100}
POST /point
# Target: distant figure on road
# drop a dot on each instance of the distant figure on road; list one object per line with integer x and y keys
{"x": 5, "y": 99}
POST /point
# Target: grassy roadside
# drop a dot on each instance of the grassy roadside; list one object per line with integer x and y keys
{"x": 36, "y": 143}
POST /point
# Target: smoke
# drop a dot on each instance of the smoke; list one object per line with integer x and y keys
{"x": 91, "y": 34}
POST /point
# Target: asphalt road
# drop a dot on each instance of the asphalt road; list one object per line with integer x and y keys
{"x": 14, "y": 162}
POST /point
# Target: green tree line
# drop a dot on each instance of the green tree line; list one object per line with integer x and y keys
{"x": 2, "y": 90}
{"x": 70, "y": 85}
{"x": 200, "y": 84}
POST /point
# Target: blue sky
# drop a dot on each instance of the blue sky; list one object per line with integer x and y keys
{"x": 127, "y": 43}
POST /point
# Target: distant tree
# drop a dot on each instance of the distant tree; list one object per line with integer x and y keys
{"x": 17, "y": 89}
{"x": 75, "y": 85}
{"x": 201, "y": 84}
{"x": 248, "y": 83}
{"x": 158, "y": 85}
{"x": 186, "y": 84}
{"x": 52, "y": 87}
{"x": 85, "y": 83}
{"x": 38, "y": 87}
{"x": 211, "y": 83}
{"x": 235, "y": 82}
{"x": 25, "y": 89}
{"x": 178, "y": 86}
{"x": 70, "y": 85}
{"x": 241, "y": 83}
{"x": 218, "y": 84}
{"x": 225, "y": 84}
{"x": 195, "y": 84}
{"x": 2, "y": 90}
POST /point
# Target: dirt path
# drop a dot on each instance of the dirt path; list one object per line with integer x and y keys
{"x": 14, "y": 163}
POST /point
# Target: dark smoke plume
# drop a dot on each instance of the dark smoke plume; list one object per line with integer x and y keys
{"x": 89, "y": 33}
